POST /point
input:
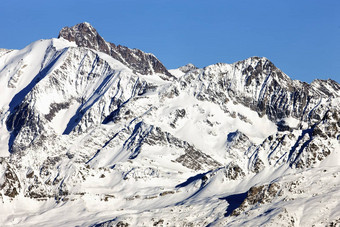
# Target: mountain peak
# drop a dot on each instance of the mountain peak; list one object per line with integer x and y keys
{"x": 86, "y": 24}
{"x": 84, "y": 35}
{"x": 81, "y": 28}
{"x": 188, "y": 67}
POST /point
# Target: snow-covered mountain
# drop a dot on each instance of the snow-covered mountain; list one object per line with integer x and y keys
{"x": 94, "y": 134}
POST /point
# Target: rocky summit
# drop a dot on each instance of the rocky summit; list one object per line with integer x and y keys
{"x": 95, "y": 134}
{"x": 84, "y": 35}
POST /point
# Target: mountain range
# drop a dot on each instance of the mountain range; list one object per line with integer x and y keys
{"x": 98, "y": 134}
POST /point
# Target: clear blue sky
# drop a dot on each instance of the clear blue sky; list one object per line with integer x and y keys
{"x": 301, "y": 37}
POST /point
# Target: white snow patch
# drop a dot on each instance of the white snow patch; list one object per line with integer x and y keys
{"x": 292, "y": 122}
{"x": 176, "y": 72}
{"x": 59, "y": 122}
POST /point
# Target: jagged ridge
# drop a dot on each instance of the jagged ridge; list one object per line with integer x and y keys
{"x": 84, "y": 35}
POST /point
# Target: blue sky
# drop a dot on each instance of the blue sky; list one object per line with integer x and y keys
{"x": 301, "y": 37}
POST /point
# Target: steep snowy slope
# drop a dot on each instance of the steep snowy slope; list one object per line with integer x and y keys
{"x": 90, "y": 138}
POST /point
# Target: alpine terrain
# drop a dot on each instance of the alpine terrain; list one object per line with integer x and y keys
{"x": 98, "y": 134}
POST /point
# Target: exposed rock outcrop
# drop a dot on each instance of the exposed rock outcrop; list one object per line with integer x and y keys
{"x": 84, "y": 35}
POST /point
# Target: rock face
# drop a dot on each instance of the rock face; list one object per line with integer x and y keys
{"x": 84, "y": 35}
{"x": 188, "y": 67}
{"x": 85, "y": 134}
{"x": 259, "y": 85}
